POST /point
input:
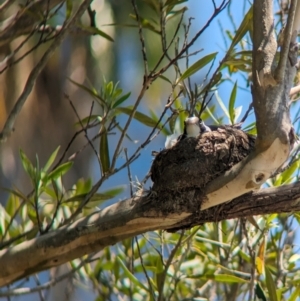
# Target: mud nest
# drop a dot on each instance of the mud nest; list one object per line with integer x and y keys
{"x": 194, "y": 162}
{"x": 182, "y": 173}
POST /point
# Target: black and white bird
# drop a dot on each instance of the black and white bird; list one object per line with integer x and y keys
{"x": 193, "y": 127}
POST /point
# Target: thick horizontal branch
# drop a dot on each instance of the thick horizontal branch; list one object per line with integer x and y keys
{"x": 127, "y": 219}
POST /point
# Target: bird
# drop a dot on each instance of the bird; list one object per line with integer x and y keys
{"x": 193, "y": 127}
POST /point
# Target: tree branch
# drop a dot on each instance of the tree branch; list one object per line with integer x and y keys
{"x": 127, "y": 219}
{"x": 271, "y": 105}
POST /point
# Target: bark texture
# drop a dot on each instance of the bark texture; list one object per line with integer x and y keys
{"x": 171, "y": 208}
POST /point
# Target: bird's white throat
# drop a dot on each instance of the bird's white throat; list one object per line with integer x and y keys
{"x": 192, "y": 130}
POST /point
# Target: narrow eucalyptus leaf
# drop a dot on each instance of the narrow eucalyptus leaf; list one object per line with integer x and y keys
{"x": 60, "y": 171}
{"x": 270, "y": 285}
{"x": 198, "y": 66}
{"x": 51, "y": 159}
{"x": 97, "y": 31}
{"x": 232, "y": 103}
{"x": 146, "y": 120}
{"x": 104, "y": 152}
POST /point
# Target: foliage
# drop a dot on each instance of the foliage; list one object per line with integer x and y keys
{"x": 233, "y": 259}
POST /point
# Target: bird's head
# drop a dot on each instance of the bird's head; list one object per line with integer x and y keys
{"x": 192, "y": 127}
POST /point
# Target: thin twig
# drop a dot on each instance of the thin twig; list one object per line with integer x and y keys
{"x": 141, "y": 39}
{"x": 38, "y": 283}
{"x": 5, "y": 5}
{"x": 219, "y": 9}
{"x": 129, "y": 173}
{"x": 144, "y": 269}
{"x": 83, "y": 127}
{"x": 4, "y": 64}
{"x": 10, "y": 56}
{"x": 92, "y": 14}
{"x": 209, "y": 86}
{"x": 57, "y": 206}
{"x": 140, "y": 97}
{"x": 44, "y": 22}
{"x": 168, "y": 264}
{"x": 252, "y": 256}
{"x": 151, "y": 136}
{"x": 247, "y": 113}
{"x": 165, "y": 52}
{"x": 9, "y": 124}
{"x": 13, "y": 239}
{"x": 193, "y": 99}
{"x": 36, "y": 208}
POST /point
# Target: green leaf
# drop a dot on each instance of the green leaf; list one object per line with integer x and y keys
{"x": 83, "y": 186}
{"x": 237, "y": 113}
{"x": 97, "y": 31}
{"x": 294, "y": 258}
{"x": 244, "y": 256}
{"x": 59, "y": 171}
{"x": 109, "y": 88}
{"x": 224, "y": 278}
{"x": 116, "y": 92}
{"x": 16, "y": 193}
{"x": 245, "y": 26}
{"x": 27, "y": 165}
{"x": 146, "y": 24}
{"x": 153, "y": 4}
{"x": 288, "y": 173}
{"x": 146, "y": 120}
{"x": 131, "y": 277}
{"x": 197, "y": 66}
{"x": 295, "y": 295}
{"x": 84, "y": 121}
{"x": 231, "y": 103}
{"x": 51, "y": 159}
{"x": 270, "y": 285}
{"x": 113, "y": 192}
{"x": 211, "y": 85}
{"x": 98, "y": 198}
{"x": 165, "y": 79}
{"x": 173, "y": 13}
{"x": 172, "y": 123}
{"x": 126, "y": 135}
{"x": 222, "y": 105}
{"x": 211, "y": 115}
{"x": 164, "y": 130}
{"x": 121, "y": 100}
{"x": 259, "y": 292}
{"x": 92, "y": 92}
{"x": 104, "y": 152}
{"x": 69, "y": 7}
{"x": 170, "y": 4}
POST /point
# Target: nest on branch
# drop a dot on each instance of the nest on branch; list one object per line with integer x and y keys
{"x": 192, "y": 163}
